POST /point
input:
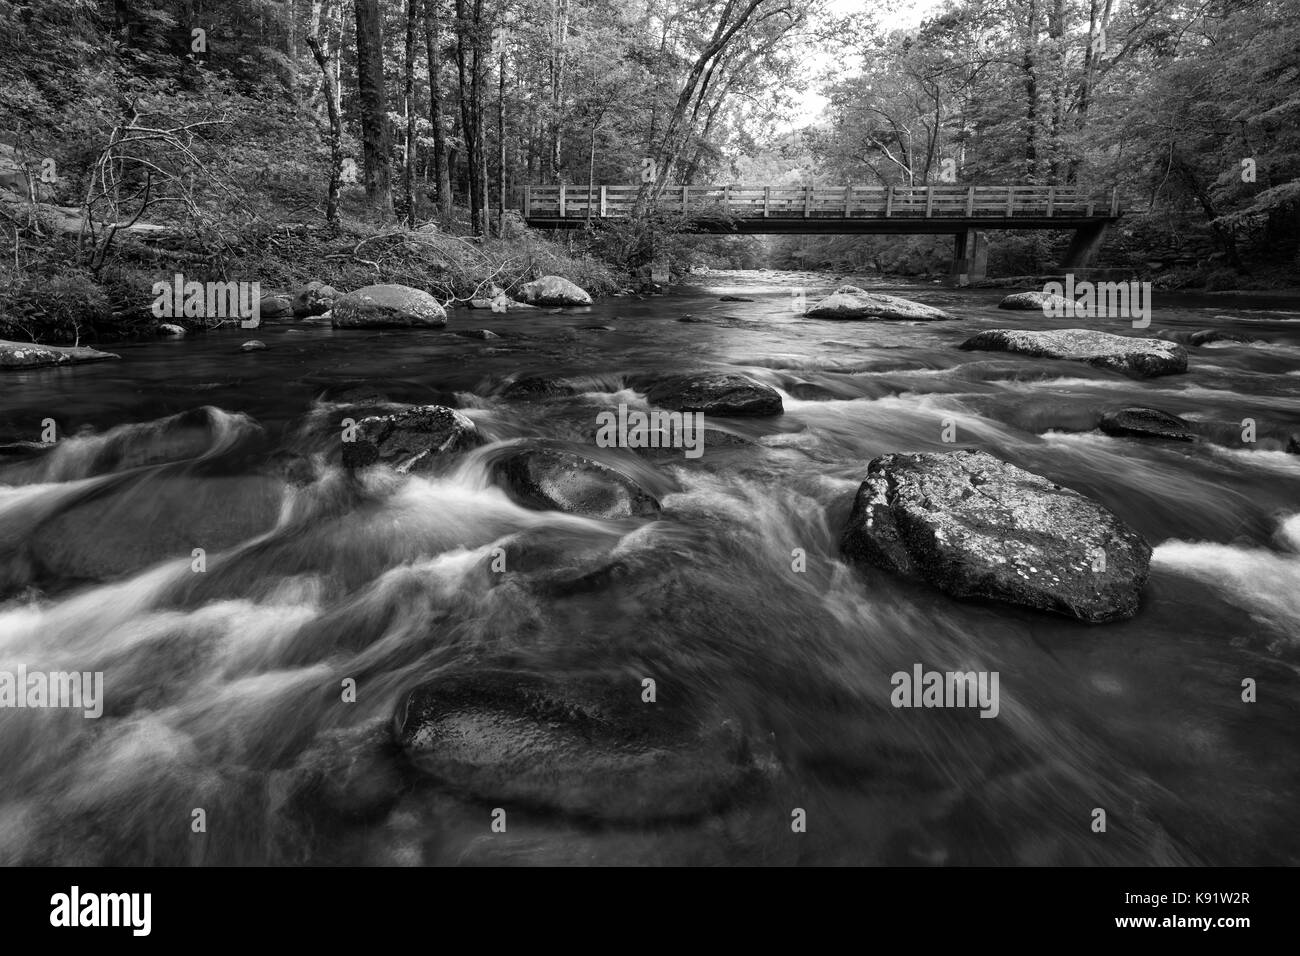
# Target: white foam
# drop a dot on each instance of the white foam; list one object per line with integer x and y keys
{"x": 1265, "y": 584}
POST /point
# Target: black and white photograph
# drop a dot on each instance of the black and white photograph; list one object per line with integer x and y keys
{"x": 700, "y": 434}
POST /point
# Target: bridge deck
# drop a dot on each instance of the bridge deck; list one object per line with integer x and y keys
{"x": 832, "y": 209}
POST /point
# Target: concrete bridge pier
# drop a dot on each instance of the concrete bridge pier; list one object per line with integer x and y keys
{"x": 1084, "y": 246}
{"x": 970, "y": 256}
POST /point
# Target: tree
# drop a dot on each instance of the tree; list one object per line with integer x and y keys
{"x": 375, "y": 139}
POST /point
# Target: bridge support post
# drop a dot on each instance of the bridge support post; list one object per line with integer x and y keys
{"x": 970, "y": 256}
{"x": 1087, "y": 240}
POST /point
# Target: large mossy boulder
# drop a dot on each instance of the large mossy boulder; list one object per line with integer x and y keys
{"x": 725, "y": 394}
{"x": 387, "y": 307}
{"x": 850, "y": 302}
{"x": 1141, "y": 357}
{"x": 976, "y": 527}
{"x": 410, "y": 440}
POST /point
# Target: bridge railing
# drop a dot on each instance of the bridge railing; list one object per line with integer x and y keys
{"x": 822, "y": 202}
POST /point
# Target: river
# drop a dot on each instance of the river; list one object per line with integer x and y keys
{"x": 222, "y": 686}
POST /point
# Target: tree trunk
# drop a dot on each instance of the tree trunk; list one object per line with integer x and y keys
{"x": 677, "y": 130}
{"x": 374, "y": 121}
{"x": 336, "y": 124}
{"x": 469, "y": 65}
{"x": 433, "y": 53}
{"x": 501, "y": 142}
{"x": 1029, "y": 67}
{"x": 408, "y": 104}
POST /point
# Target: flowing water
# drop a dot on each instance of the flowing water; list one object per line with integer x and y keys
{"x": 223, "y": 686}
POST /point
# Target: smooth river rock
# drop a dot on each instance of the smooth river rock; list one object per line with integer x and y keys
{"x": 125, "y": 529}
{"x": 1143, "y": 357}
{"x": 316, "y": 298}
{"x": 386, "y": 307}
{"x": 850, "y": 302}
{"x": 552, "y": 290}
{"x": 550, "y": 479}
{"x": 585, "y": 747}
{"x": 410, "y": 440}
{"x": 21, "y": 355}
{"x": 977, "y": 527}
{"x": 1139, "y": 422}
{"x": 1040, "y": 301}
{"x": 1210, "y": 336}
{"x": 539, "y": 386}
{"x": 723, "y": 393}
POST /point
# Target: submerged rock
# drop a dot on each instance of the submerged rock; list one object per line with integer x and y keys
{"x": 253, "y": 345}
{"x": 735, "y": 298}
{"x": 1208, "y": 336}
{"x": 1144, "y": 357}
{"x": 539, "y": 386}
{"x": 479, "y": 334}
{"x": 126, "y": 529}
{"x": 387, "y": 306}
{"x": 20, "y": 355}
{"x": 850, "y": 302}
{"x": 716, "y": 393}
{"x": 977, "y": 527}
{"x": 562, "y": 481}
{"x": 1038, "y": 300}
{"x": 1139, "y": 422}
{"x": 553, "y": 290}
{"x": 410, "y": 440}
{"x": 589, "y": 748}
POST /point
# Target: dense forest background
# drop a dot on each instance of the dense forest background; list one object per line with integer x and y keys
{"x": 368, "y": 140}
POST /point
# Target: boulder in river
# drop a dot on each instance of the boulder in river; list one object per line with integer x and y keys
{"x": 562, "y": 481}
{"x": 1139, "y": 422}
{"x": 553, "y": 290}
{"x": 169, "y": 328}
{"x": 586, "y": 747}
{"x": 410, "y": 440}
{"x": 316, "y": 299}
{"x": 20, "y": 355}
{"x": 977, "y": 527}
{"x": 716, "y": 393}
{"x": 1041, "y": 301}
{"x": 850, "y": 302}
{"x": 387, "y": 306}
{"x": 123, "y": 529}
{"x": 1143, "y": 357}
{"x": 1210, "y": 336}
{"x": 253, "y": 345}
{"x": 539, "y": 386}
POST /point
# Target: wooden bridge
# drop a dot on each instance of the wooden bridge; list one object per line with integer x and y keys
{"x": 965, "y": 212}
